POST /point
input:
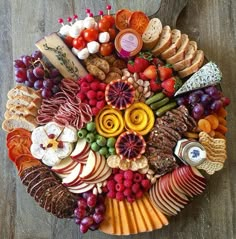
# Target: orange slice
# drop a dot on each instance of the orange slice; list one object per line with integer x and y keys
{"x": 122, "y": 18}
{"x": 138, "y": 21}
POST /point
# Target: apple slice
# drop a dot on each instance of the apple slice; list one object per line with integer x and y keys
{"x": 90, "y": 165}
{"x": 84, "y": 187}
{"x": 73, "y": 177}
{"x": 165, "y": 190}
{"x": 68, "y": 169}
{"x": 175, "y": 185}
{"x": 198, "y": 175}
{"x": 81, "y": 145}
{"x": 63, "y": 165}
{"x": 62, "y": 175}
{"x": 103, "y": 176}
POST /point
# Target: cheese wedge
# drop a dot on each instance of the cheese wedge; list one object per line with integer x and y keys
{"x": 57, "y": 52}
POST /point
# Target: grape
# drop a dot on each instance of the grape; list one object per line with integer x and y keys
{"x": 46, "y": 93}
{"x": 48, "y": 83}
{"x": 39, "y": 72}
{"x": 38, "y": 84}
{"x": 77, "y": 220}
{"x": 92, "y": 200}
{"x": 193, "y": 98}
{"x": 199, "y": 92}
{"x": 37, "y": 55}
{"x": 182, "y": 100}
{"x": 211, "y": 90}
{"x": 100, "y": 208}
{"x": 21, "y": 73}
{"x": 27, "y": 60}
{"x": 216, "y": 95}
{"x": 30, "y": 75}
{"x": 205, "y": 100}
{"x": 55, "y": 89}
{"x": 86, "y": 195}
{"x": 198, "y": 111}
{"x": 100, "y": 199}
{"x": 19, "y": 80}
{"x": 57, "y": 80}
{"x": 80, "y": 212}
{"x": 216, "y": 105}
{"x": 94, "y": 227}
{"x": 19, "y": 64}
{"x": 98, "y": 217}
{"x": 225, "y": 101}
{"x": 82, "y": 203}
{"x": 29, "y": 83}
{"x": 54, "y": 73}
{"x": 88, "y": 221}
{"x": 83, "y": 228}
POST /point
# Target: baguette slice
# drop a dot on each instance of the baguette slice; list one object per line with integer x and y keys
{"x": 164, "y": 41}
{"x": 175, "y": 44}
{"x": 189, "y": 56}
{"x": 151, "y": 34}
{"x": 196, "y": 64}
{"x": 24, "y": 101}
{"x": 21, "y": 90}
{"x": 21, "y": 110}
{"x": 179, "y": 56}
{"x": 28, "y": 123}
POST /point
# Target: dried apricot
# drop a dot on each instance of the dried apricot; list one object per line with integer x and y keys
{"x": 222, "y": 112}
{"x": 204, "y": 125}
{"x": 213, "y": 120}
{"x": 138, "y": 21}
{"x": 219, "y": 135}
{"x": 122, "y": 19}
{"x": 222, "y": 129}
{"x": 222, "y": 121}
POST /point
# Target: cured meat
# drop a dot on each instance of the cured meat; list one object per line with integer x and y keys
{"x": 65, "y": 108}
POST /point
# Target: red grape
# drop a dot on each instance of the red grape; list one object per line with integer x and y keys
{"x": 225, "y": 101}
{"x": 30, "y": 75}
{"x": 46, "y": 93}
{"x": 38, "y": 84}
{"x": 19, "y": 64}
{"x": 19, "y": 80}
{"x": 39, "y": 72}
{"x": 98, "y": 217}
{"x": 80, "y": 212}
{"x": 87, "y": 221}
{"x": 216, "y": 105}
{"x": 55, "y": 89}
{"x": 193, "y": 98}
{"x": 92, "y": 200}
{"x": 83, "y": 228}
{"x": 182, "y": 100}
{"x": 29, "y": 83}
{"x": 94, "y": 227}
{"x": 206, "y": 100}
{"x": 54, "y": 73}
{"x": 21, "y": 73}
{"x": 57, "y": 80}
{"x": 198, "y": 111}
{"x": 48, "y": 83}
{"x": 100, "y": 208}
{"x": 82, "y": 203}
{"x": 37, "y": 55}
{"x": 27, "y": 60}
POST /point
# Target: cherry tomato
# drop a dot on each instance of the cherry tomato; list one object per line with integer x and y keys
{"x": 112, "y": 33}
{"x": 106, "y": 49}
{"x": 79, "y": 43}
{"x": 111, "y": 19}
{"x": 90, "y": 34}
{"x": 69, "y": 41}
{"x": 104, "y": 25}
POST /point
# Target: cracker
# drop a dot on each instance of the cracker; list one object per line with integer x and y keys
{"x": 210, "y": 167}
{"x": 95, "y": 71}
{"x": 112, "y": 76}
{"x": 116, "y": 69}
{"x": 100, "y": 63}
{"x": 119, "y": 64}
{"x": 110, "y": 59}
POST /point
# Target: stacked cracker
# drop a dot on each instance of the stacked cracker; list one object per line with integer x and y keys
{"x": 105, "y": 69}
{"x": 173, "y": 47}
{"x": 22, "y": 108}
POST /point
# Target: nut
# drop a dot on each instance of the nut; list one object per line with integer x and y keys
{"x": 99, "y": 190}
{"x": 136, "y": 76}
{"x": 146, "y": 83}
{"x": 95, "y": 191}
{"x": 153, "y": 180}
{"x": 150, "y": 172}
{"x": 140, "y": 89}
{"x": 140, "y": 82}
{"x": 124, "y": 77}
{"x": 131, "y": 80}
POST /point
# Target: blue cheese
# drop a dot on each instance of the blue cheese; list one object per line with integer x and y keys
{"x": 208, "y": 75}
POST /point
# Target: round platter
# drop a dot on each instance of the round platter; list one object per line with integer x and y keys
{"x": 116, "y": 118}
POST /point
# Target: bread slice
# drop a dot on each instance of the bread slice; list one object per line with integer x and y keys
{"x": 21, "y": 110}
{"x": 28, "y": 122}
{"x": 175, "y": 44}
{"x": 151, "y": 34}
{"x": 22, "y": 100}
{"x": 196, "y": 64}
{"x": 189, "y": 56}
{"x": 164, "y": 41}
{"x": 21, "y": 90}
{"x": 179, "y": 56}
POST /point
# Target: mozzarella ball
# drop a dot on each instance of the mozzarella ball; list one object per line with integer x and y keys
{"x": 93, "y": 47}
{"x": 83, "y": 54}
{"x": 103, "y": 37}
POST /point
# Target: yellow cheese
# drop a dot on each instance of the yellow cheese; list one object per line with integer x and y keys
{"x": 57, "y": 52}
{"x": 125, "y": 222}
{"x": 117, "y": 217}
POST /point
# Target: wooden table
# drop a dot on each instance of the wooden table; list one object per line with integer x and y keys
{"x": 211, "y": 23}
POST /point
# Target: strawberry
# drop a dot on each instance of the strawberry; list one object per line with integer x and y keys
{"x": 131, "y": 66}
{"x": 157, "y": 62}
{"x": 150, "y": 72}
{"x": 165, "y": 72}
{"x": 141, "y": 64}
{"x": 171, "y": 85}
{"x": 155, "y": 85}
{"x": 142, "y": 76}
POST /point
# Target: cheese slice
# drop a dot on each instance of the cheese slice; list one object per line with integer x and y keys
{"x": 57, "y": 52}
{"x": 208, "y": 75}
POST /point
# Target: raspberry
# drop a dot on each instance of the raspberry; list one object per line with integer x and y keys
{"x": 100, "y": 95}
{"x": 100, "y": 104}
{"x": 145, "y": 184}
{"x": 84, "y": 87}
{"x": 111, "y": 194}
{"x": 94, "y": 85}
{"x": 111, "y": 185}
{"x": 115, "y": 170}
{"x": 95, "y": 111}
{"x": 138, "y": 177}
{"x": 118, "y": 178}
{"x": 128, "y": 183}
{"x": 120, "y": 187}
{"x": 89, "y": 78}
{"x": 92, "y": 102}
{"x": 127, "y": 192}
{"x": 135, "y": 188}
{"x": 128, "y": 174}
{"x": 91, "y": 94}
{"x": 130, "y": 199}
{"x": 122, "y": 171}
{"x": 82, "y": 96}
{"x": 120, "y": 196}
{"x": 139, "y": 194}
{"x": 102, "y": 86}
